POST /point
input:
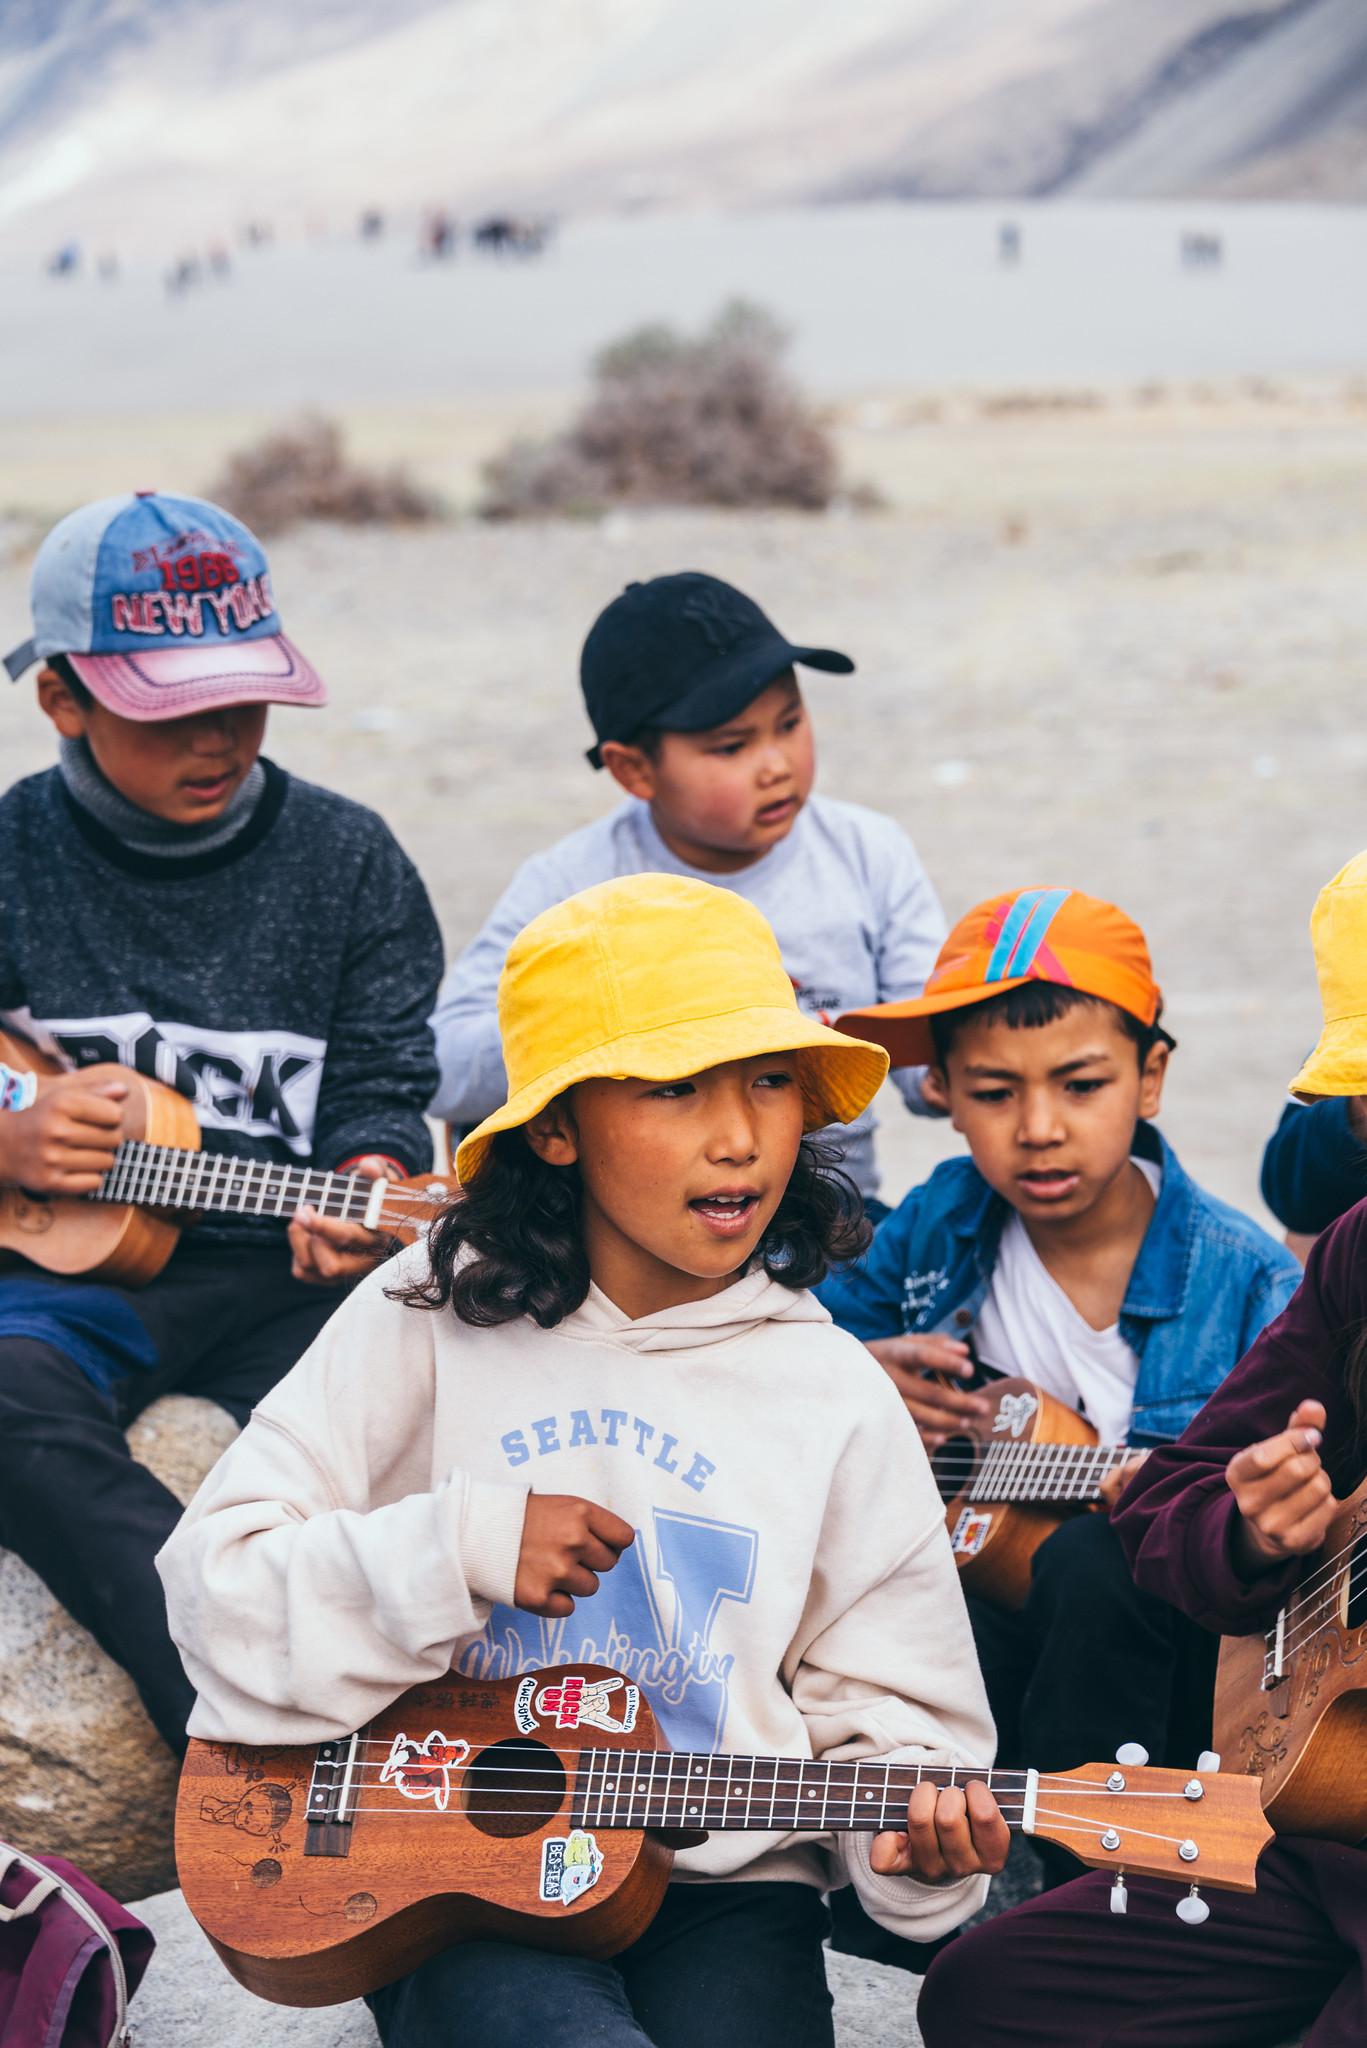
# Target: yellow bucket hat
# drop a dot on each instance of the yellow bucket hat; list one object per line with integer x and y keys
{"x": 654, "y": 977}
{"x": 1338, "y": 932}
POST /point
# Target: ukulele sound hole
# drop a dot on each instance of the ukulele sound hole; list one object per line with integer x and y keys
{"x": 953, "y": 1466}
{"x": 514, "y": 1788}
{"x": 1357, "y": 1585}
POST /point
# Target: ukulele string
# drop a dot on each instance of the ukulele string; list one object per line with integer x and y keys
{"x": 1303, "y": 1620}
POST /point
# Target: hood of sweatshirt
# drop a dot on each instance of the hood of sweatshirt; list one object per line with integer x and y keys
{"x": 735, "y": 1312}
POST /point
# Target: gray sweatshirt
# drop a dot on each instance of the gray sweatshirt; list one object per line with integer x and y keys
{"x": 854, "y": 912}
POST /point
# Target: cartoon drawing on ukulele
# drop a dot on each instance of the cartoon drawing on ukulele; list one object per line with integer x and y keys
{"x": 422, "y": 1770}
{"x": 577, "y": 1703}
{"x": 1013, "y": 1413}
{"x": 264, "y": 1809}
{"x": 570, "y": 1866}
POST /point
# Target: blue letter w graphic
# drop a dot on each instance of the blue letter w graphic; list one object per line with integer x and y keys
{"x": 652, "y": 1617}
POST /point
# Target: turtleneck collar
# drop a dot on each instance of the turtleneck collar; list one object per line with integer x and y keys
{"x": 138, "y": 829}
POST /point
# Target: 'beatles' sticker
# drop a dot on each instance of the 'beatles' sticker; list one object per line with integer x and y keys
{"x": 421, "y": 1770}
{"x": 970, "y": 1533}
{"x": 577, "y": 1703}
{"x": 570, "y": 1866}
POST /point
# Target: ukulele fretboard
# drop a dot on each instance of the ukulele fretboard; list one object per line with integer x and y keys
{"x": 672, "y": 1789}
{"x": 1044, "y": 1472}
{"x": 169, "y": 1177}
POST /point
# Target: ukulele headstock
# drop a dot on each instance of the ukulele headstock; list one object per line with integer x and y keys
{"x": 1202, "y": 1827}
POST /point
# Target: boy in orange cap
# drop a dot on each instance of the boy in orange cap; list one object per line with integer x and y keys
{"x": 1071, "y": 1249}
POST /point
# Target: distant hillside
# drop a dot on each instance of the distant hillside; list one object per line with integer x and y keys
{"x": 170, "y": 119}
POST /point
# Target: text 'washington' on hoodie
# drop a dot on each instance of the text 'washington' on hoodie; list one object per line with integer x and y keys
{"x": 790, "y": 1591}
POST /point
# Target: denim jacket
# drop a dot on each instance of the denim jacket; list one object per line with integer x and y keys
{"x": 1206, "y": 1281}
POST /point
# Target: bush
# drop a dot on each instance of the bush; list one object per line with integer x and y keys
{"x": 302, "y": 472}
{"x": 671, "y": 420}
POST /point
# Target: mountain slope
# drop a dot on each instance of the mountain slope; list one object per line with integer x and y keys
{"x": 159, "y": 119}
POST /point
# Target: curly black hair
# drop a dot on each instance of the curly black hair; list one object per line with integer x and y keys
{"x": 512, "y": 1244}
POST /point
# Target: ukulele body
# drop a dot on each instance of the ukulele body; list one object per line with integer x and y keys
{"x": 431, "y": 1857}
{"x": 97, "y": 1240}
{"x": 994, "y": 1541}
{"x": 1305, "y": 1736}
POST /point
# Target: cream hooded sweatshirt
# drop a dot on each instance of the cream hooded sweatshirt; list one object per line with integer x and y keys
{"x": 790, "y": 1590}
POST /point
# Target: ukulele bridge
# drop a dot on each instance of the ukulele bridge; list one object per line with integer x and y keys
{"x": 332, "y": 1797}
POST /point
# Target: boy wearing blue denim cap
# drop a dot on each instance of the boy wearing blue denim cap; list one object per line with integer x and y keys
{"x": 694, "y": 699}
{"x": 175, "y": 904}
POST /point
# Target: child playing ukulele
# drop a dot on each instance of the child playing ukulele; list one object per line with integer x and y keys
{"x": 172, "y": 902}
{"x": 599, "y": 1418}
{"x": 1220, "y": 1523}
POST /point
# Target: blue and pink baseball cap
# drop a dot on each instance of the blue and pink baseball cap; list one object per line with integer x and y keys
{"x": 163, "y": 607}
{"x": 1040, "y": 934}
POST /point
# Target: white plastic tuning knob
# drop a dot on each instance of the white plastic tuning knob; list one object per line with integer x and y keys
{"x": 1208, "y": 1760}
{"x": 1120, "y": 1898}
{"x": 1193, "y": 1909}
{"x": 1133, "y": 1753}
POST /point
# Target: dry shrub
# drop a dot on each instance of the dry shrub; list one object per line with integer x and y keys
{"x": 672, "y": 420}
{"x": 303, "y": 472}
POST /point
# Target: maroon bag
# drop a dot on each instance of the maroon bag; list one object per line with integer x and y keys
{"x": 70, "y": 1956}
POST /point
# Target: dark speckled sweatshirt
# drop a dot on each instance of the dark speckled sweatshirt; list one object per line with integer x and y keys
{"x": 283, "y": 982}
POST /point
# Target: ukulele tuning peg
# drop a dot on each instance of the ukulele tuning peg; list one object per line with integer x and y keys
{"x": 1208, "y": 1761}
{"x": 1193, "y": 1910}
{"x": 1132, "y": 1753}
{"x": 1120, "y": 1898}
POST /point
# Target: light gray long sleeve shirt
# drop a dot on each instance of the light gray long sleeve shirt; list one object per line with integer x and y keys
{"x": 854, "y": 912}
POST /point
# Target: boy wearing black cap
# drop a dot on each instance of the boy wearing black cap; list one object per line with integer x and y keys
{"x": 697, "y": 714}
{"x": 173, "y": 903}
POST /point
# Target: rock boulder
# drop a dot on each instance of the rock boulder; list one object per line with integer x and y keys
{"x": 83, "y": 1773}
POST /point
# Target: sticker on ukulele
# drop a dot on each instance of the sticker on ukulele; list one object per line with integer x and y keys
{"x": 570, "y": 1866}
{"x": 1013, "y": 1413}
{"x": 422, "y": 1770}
{"x": 577, "y": 1703}
{"x": 970, "y": 1533}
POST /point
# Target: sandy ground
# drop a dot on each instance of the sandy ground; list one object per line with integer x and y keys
{"x": 1122, "y": 648}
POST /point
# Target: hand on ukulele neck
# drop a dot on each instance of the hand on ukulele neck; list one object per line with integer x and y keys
{"x": 329, "y": 1251}
{"x": 922, "y": 1369}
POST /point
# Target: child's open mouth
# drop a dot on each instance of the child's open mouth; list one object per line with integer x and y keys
{"x": 776, "y": 813}
{"x": 726, "y": 1214}
{"x": 1049, "y": 1184}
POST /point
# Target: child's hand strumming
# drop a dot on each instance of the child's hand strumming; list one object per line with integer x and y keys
{"x": 1285, "y": 1498}
{"x": 937, "y": 1410}
{"x": 566, "y": 1544}
{"x": 951, "y": 1833}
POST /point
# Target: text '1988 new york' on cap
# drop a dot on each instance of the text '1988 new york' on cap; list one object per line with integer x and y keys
{"x": 163, "y": 606}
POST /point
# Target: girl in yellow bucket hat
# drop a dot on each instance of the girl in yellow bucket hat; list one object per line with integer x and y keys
{"x": 624, "y": 1433}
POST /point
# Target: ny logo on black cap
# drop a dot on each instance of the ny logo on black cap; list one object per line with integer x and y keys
{"x": 723, "y": 616}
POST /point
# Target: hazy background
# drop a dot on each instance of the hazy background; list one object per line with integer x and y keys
{"x": 1111, "y": 620}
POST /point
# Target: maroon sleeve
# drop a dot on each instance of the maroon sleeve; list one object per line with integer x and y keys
{"x": 1177, "y": 1516}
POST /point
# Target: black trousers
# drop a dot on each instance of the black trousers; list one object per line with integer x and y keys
{"x": 224, "y": 1323}
{"x": 720, "y": 1966}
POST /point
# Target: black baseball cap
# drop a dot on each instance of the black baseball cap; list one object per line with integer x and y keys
{"x": 684, "y": 652}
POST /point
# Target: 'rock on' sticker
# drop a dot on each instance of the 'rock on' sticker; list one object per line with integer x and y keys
{"x": 575, "y": 1702}
{"x": 970, "y": 1533}
{"x": 570, "y": 1866}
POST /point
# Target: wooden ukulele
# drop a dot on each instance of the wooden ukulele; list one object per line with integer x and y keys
{"x": 122, "y": 1231}
{"x": 1291, "y": 1705}
{"x": 468, "y": 1809}
{"x": 1008, "y": 1478}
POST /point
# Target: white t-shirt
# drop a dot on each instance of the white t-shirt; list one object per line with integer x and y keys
{"x": 1028, "y": 1327}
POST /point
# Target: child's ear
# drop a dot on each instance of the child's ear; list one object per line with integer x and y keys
{"x": 61, "y": 707}
{"x": 935, "y": 1090}
{"x": 1151, "y": 1078}
{"x": 632, "y": 767}
{"x": 552, "y": 1135}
